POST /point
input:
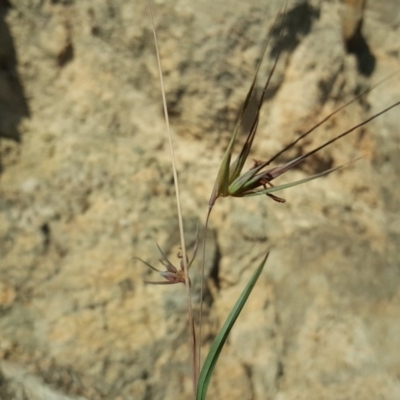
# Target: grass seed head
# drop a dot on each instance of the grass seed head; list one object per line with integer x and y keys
{"x": 172, "y": 274}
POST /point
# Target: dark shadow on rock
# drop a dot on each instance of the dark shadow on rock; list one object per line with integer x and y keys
{"x": 13, "y": 105}
{"x": 358, "y": 46}
{"x": 299, "y": 21}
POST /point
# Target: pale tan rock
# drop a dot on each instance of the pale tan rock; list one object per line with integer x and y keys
{"x": 90, "y": 187}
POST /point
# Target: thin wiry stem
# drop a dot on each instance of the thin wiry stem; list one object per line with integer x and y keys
{"x": 313, "y": 128}
{"x": 178, "y": 205}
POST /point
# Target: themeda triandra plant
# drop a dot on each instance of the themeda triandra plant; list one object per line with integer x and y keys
{"x": 231, "y": 181}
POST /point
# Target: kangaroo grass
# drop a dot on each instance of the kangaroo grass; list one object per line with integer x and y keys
{"x": 231, "y": 181}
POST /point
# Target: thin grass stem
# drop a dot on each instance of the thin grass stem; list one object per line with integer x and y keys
{"x": 330, "y": 115}
{"x": 179, "y": 209}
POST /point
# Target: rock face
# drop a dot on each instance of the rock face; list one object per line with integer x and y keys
{"x": 86, "y": 184}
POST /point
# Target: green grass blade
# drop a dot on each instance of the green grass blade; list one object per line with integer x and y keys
{"x": 216, "y": 348}
{"x": 238, "y": 164}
